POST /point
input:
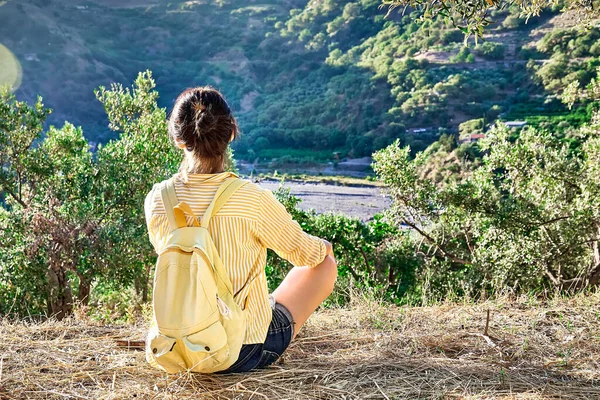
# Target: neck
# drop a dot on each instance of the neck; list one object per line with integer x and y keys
{"x": 192, "y": 165}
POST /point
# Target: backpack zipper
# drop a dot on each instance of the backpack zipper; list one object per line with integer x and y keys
{"x": 223, "y": 308}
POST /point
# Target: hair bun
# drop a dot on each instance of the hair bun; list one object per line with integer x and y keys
{"x": 201, "y": 119}
{"x": 198, "y": 108}
{"x": 205, "y": 121}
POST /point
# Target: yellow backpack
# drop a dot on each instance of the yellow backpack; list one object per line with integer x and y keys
{"x": 197, "y": 326}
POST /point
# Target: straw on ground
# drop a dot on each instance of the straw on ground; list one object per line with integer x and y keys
{"x": 531, "y": 350}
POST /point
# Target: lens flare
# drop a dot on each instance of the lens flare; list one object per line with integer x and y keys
{"x": 10, "y": 68}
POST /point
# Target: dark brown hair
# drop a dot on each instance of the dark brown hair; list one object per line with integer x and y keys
{"x": 202, "y": 120}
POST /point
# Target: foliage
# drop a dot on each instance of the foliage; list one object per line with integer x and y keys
{"x": 574, "y": 93}
{"x": 470, "y": 127}
{"x": 464, "y": 55}
{"x": 305, "y": 80}
{"x": 370, "y": 255}
{"x": 44, "y": 212}
{"x": 572, "y": 42}
{"x": 471, "y": 17}
{"x": 573, "y": 58}
{"x": 526, "y": 220}
{"x": 71, "y": 217}
{"x": 320, "y": 76}
{"x": 490, "y": 50}
{"x": 127, "y": 168}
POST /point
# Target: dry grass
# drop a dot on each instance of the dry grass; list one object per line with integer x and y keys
{"x": 533, "y": 350}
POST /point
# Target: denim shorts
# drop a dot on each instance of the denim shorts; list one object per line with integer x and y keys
{"x": 261, "y": 355}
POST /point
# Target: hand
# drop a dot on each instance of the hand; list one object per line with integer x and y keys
{"x": 329, "y": 248}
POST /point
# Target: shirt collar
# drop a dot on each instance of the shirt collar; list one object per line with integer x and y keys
{"x": 195, "y": 179}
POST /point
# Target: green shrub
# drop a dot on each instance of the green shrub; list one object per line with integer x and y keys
{"x": 362, "y": 250}
{"x": 527, "y": 220}
{"x": 513, "y": 22}
{"x": 490, "y": 50}
{"x": 463, "y": 55}
{"x": 74, "y": 216}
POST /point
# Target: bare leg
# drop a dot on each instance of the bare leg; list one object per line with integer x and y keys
{"x": 303, "y": 289}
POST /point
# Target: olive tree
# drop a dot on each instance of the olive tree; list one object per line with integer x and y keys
{"x": 20, "y": 126}
{"x": 71, "y": 217}
{"x": 48, "y": 222}
{"x": 527, "y": 219}
{"x": 126, "y": 170}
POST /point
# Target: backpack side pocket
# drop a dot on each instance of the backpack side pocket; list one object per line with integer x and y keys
{"x": 160, "y": 352}
{"x": 207, "y": 349}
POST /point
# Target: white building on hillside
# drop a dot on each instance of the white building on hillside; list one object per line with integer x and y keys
{"x": 515, "y": 124}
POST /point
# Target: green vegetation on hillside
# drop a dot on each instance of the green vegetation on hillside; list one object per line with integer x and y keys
{"x": 322, "y": 75}
{"x": 473, "y": 17}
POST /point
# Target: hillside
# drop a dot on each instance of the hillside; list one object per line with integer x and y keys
{"x": 531, "y": 350}
{"x": 307, "y": 75}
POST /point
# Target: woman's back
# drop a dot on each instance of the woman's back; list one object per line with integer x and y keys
{"x": 249, "y": 223}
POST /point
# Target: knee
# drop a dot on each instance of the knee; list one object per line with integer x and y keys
{"x": 334, "y": 269}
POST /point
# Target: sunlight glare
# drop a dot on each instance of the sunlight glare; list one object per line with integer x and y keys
{"x": 10, "y": 68}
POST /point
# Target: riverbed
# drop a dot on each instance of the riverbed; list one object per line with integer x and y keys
{"x": 361, "y": 202}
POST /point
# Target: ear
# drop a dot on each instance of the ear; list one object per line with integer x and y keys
{"x": 232, "y": 136}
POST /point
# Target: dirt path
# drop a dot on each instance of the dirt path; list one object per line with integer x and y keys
{"x": 361, "y": 202}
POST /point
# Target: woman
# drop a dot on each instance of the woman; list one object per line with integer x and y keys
{"x": 252, "y": 221}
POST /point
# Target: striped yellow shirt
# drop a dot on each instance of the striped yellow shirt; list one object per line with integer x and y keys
{"x": 251, "y": 222}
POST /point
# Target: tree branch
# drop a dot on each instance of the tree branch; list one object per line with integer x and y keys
{"x": 6, "y": 189}
{"x": 367, "y": 266}
{"x": 594, "y": 276}
{"x": 469, "y": 245}
{"x": 592, "y": 279}
{"x": 552, "y": 277}
{"x": 353, "y": 273}
{"x": 434, "y": 243}
{"x": 553, "y": 220}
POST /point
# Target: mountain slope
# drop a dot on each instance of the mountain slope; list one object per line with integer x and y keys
{"x": 310, "y": 75}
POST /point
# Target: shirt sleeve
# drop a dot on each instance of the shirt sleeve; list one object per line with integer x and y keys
{"x": 279, "y": 232}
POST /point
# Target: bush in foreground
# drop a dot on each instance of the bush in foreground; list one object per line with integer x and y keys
{"x": 527, "y": 220}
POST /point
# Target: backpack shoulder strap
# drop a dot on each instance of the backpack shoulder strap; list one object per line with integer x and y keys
{"x": 169, "y": 199}
{"x": 225, "y": 191}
